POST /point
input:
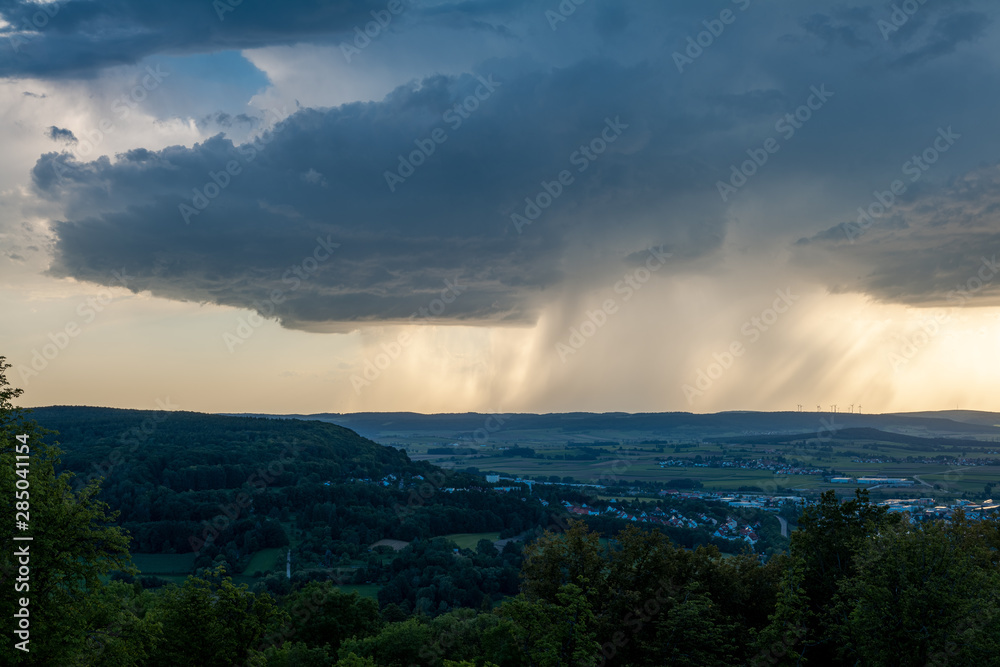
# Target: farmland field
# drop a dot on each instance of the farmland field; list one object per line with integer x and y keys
{"x": 470, "y": 540}
{"x": 164, "y": 564}
{"x": 604, "y": 456}
{"x": 364, "y": 590}
{"x": 264, "y": 560}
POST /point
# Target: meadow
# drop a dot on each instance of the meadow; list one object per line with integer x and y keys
{"x": 625, "y": 456}
{"x": 172, "y": 567}
{"x": 471, "y": 540}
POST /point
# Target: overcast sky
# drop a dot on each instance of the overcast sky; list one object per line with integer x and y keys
{"x": 501, "y": 205}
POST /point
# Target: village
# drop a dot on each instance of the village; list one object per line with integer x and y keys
{"x": 730, "y": 529}
{"x": 915, "y": 509}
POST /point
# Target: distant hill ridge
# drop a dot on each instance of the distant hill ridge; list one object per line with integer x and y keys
{"x": 381, "y": 425}
{"x": 861, "y": 434}
{"x": 193, "y": 439}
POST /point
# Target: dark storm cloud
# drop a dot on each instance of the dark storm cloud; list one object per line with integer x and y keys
{"x": 938, "y": 247}
{"x": 319, "y": 177}
{"x": 481, "y": 15}
{"x": 833, "y": 31}
{"x": 947, "y": 34}
{"x": 225, "y": 120}
{"x": 60, "y": 134}
{"x": 77, "y": 37}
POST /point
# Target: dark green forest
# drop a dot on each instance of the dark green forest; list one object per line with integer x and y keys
{"x": 855, "y": 586}
{"x": 185, "y": 482}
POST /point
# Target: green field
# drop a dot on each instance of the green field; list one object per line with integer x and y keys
{"x": 632, "y": 461}
{"x": 470, "y": 540}
{"x": 178, "y": 565}
{"x": 364, "y": 590}
{"x": 264, "y": 560}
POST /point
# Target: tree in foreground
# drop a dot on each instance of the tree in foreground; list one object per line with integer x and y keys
{"x": 72, "y": 618}
{"x": 823, "y": 555}
{"x": 924, "y": 596}
{"x": 554, "y": 634}
{"x": 325, "y": 615}
{"x": 212, "y": 621}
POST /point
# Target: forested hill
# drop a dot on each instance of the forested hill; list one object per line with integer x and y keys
{"x": 231, "y": 486}
{"x": 198, "y": 451}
